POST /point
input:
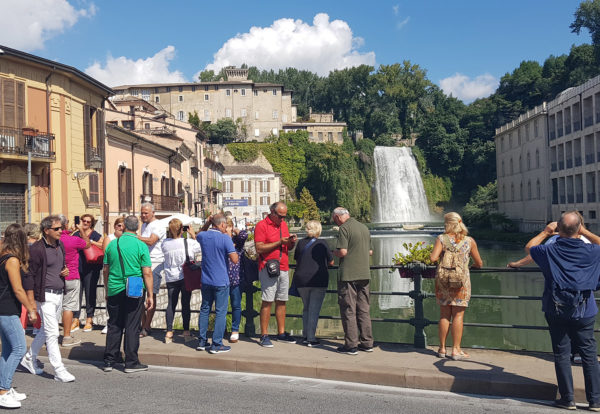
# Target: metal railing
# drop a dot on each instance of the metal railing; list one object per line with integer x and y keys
{"x": 16, "y": 142}
{"x": 161, "y": 202}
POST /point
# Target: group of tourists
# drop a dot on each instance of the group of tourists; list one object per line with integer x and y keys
{"x": 46, "y": 270}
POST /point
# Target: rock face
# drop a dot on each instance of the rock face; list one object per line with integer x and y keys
{"x": 226, "y": 158}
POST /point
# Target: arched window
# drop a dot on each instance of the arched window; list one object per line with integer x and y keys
{"x": 529, "y": 190}
{"x": 520, "y": 164}
{"x": 512, "y": 192}
{"x": 511, "y": 167}
{"x": 147, "y": 183}
{"x": 503, "y": 172}
{"x": 503, "y": 192}
{"x": 538, "y": 189}
{"x": 528, "y": 161}
{"x": 521, "y": 191}
{"x": 164, "y": 186}
{"x": 537, "y": 158}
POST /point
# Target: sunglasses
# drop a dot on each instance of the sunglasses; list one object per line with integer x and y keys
{"x": 55, "y": 228}
{"x": 281, "y": 217}
{"x": 86, "y": 221}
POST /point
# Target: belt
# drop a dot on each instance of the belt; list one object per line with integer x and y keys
{"x": 55, "y": 291}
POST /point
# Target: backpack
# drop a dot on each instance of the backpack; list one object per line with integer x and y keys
{"x": 568, "y": 304}
{"x": 452, "y": 269}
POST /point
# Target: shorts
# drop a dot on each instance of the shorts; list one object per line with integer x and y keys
{"x": 157, "y": 275}
{"x": 71, "y": 296}
{"x": 274, "y": 288}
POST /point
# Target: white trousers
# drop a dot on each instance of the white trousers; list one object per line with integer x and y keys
{"x": 50, "y": 311}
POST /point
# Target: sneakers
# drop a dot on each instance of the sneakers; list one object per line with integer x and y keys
{"x": 347, "y": 351}
{"x": 31, "y": 365}
{"x": 136, "y": 368}
{"x": 365, "y": 348}
{"x": 265, "y": 341}
{"x": 104, "y": 330}
{"x": 63, "y": 376}
{"x": 70, "y": 341}
{"x": 87, "y": 328}
{"x": 285, "y": 338}
{"x": 219, "y": 349}
{"x": 312, "y": 344}
{"x": 234, "y": 337}
{"x": 202, "y": 345}
{"x": 8, "y": 401}
{"x": 19, "y": 396}
{"x": 594, "y": 407}
{"x": 75, "y": 325}
{"x": 567, "y": 405}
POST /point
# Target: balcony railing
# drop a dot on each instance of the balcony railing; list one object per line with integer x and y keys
{"x": 15, "y": 141}
{"x": 160, "y": 202}
{"x": 214, "y": 185}
{"x": 164, "y": 131}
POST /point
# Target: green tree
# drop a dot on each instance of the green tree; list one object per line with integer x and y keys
{"x": 224, "y": 131}
{"x": 587, "y": 16}
{"x": 307, "y": 200}
{"x": 194, "y": 119}
{"x": 207, "y": 76}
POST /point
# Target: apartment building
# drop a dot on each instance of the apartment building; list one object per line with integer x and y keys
{"x": 52, "y": 114}
{"x": 321, "y": 128}
{"x": 568, "y": 143}
{"x": 261, "y": 108}
{"x": 249, "y": 190}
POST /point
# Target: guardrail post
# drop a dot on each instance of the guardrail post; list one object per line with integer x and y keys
{"x": 249, "y": 313}
{"x": 419, "y": 321}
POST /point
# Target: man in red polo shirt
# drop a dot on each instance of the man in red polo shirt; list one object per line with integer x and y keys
{"x": 273, "y": 242}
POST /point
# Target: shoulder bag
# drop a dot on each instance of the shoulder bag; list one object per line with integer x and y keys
{"x": 293, "y": 288}
{"x": 93, "y": 255}
{"x": 273, "y": 265}
{"x": 134, "y": 287}
{"x": 192, "y": 272}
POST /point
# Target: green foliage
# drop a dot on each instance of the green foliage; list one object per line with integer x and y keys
{"x": 587, "y": 16}
{"x": 296, "y": 209}
{"x": 244, "y": 152}
{"x": 418, "y": 252}
{"x": 311, "y": 210}
{"x": 437, "y": 189}
{"x": 224, "y": 131}
{"x": 194, "y": 119}
{"x": 286, "y": 159}
{"x": 366, "y": 145}
{"x": 482, "y": 210}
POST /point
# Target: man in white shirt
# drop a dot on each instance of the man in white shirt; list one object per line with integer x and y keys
{"x": 153, "y": 234}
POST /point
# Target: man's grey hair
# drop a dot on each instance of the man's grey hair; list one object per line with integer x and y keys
{"x": 340, "y": 211}
{"x": 218, "y": 219}
{"x": 273, "y": 207}
{"x": 569, "y": 227}
{"x": 131, "y": 223}
{"x": 149, "y": 205}
{"x": 32, "y": 230}
{"x": 47, "y": 222}
{"x": 63, "y": 221}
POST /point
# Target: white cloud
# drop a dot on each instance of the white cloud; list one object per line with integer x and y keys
{"x": 321, "y": 47}
{"x": 402, "y": 23}
{"x": 125, "y": 71}
{"x": 396, "y": 9}
{"x": 466, "y": 89}
{"x": 27, "y": 24}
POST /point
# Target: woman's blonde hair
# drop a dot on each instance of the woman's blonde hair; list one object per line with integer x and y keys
{"x": 175, "y": 228}
{"x": 119, "y": 220}
{"x": 453, "y": 224}
{"x": 229, "y": 222}
{"x": 313, "y": 228}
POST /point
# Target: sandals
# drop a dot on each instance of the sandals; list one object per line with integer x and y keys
{"x": 168, "y": 338}
{"x": 145, "y": 332}
{"x": 459, "y": 356}
{"x": 441, "y": 354}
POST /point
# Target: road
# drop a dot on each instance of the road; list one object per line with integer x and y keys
{"x": 181, "y": 390}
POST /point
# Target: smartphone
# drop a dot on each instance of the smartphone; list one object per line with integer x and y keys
{"x": 76, "y": 220}
{"x": 186, "y": 228}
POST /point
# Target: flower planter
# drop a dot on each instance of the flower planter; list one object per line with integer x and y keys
{"x": 407, "y": 273}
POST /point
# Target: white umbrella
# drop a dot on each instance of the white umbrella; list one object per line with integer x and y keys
{"x": 185, "y": 219}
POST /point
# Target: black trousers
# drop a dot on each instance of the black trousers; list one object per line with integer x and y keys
{"x": 123, "y": 314}
{"x": 174, "y": 289}
{"x": 88, "y": 277}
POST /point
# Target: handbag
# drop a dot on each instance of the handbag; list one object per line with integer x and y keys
{"x": 134, "y": 286}
{"x": 192, "y": 272}
{"x": 93, "y": 255}
{"x": 273, "y": 265}
{"x": 293, "y": 291}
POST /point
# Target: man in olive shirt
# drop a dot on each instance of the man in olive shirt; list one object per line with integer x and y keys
{"x": 353, "y": 247}
{"x": 124, "y": 312}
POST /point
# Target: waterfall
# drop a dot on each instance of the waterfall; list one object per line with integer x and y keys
{"x": 399, "y": 193}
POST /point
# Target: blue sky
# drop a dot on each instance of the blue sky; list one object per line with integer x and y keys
{"x": 465, "y": 45}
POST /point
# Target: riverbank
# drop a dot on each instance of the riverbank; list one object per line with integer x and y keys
{"x": 501, "y": 237}
{"x": 501, "y": 373}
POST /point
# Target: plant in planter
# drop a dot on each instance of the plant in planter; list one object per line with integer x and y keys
{"x": 415, "y": 253}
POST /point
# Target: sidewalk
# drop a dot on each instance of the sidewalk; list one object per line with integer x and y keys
{"x": 501, "y": 373}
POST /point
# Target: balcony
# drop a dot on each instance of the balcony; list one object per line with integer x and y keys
{"x": 214, "y": 185}
{"x": 17, "y": 142}
{"x": 160, "y": 202}
{"x": 161, "y": 131}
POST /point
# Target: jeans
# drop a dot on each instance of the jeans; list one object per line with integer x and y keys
{"x": 14, "y": 346}
{"x": 312, "y": 298}
{"x": 124, "y": 313}
{"x": 235, "y": 298}
{"x": 89, "y": 285}
{"x": 174, "y": 289}
{"x": 353, "y": 298}
{"x": 218, "y": 295}
{"x": 50, "y": 311}
{"x": 581, "y": 332}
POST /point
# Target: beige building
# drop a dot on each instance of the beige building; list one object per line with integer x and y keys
{"x": 320, "y": 128}
{"x": 249, "y": 190}
{"x": 569, "y": 160}
{"x": 261, "y": 108}
{"x": 55, "y": 113}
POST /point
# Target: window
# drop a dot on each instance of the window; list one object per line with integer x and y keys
{"x": 265, "y": 201}
{"x": 256, "y": 115}
{"x": 503, "y": 171}
{"x": 147, "y": 125}
{"x": 127, "y": 124}
{"x": 511, "y": 167}
{"x": 243, "y": 112}
{"x": 592, "y": 214}
{"x": 164, "y": 186}
{"x": 146, "y": 94}
{"x": 340, "y": 137}
{"x": 275, "y": 115}
{"x": 157, "y": 99}
{"x": 529, "y": 190}
{"x": 180, "y": 98}
{"x": 535, "y": 128}
{"x": 206, "y": 87}
{"x": 538, "y": 189}
{"x": 94, "y": 196}
{"x": 228, "y": 92}
{"x": 156, "y": 90}
{"x": 249, "y": 200}
{"x": 320, "y": 135}
{"x": 147, "y": 183}
{"x": 12, "y": 104}
{"x": 255, "y": 92}
{"x": 283, "y": 117}
{"x": 243, "y": 92}
{"x": 246, "y": 186}
{"x": 228, "y": 187}
{"x": 134, "y": 92}
{"x": 216, "y": 87}
{"x": 265, "y": 186}
{"x": 537, "y": 158}
{"x": 124, "y": 188}
{"x": 330, "y": 136}
{"x": 274, "y": 92}
{"x": 180, "y": 115}
{"x": 257, "y": 132}
{"x": 168, "y": 89}
{"x": 206, "y": 97}
{"x": 206, "y": 115}
{"x": 275, "y": 131}
{"x": 228, "y": 112}
{"x": 193, "y": 89}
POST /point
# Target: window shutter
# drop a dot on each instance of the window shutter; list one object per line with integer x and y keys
{"x": 128, "y": 189}
{"x": 122, "y": 186}
{"x": 268, "y": 200}
{"x": 268, "y": 187}
{"x": 20, "y": 107}
{"x": 249, "y": 186}
{"x": 249, "y": 201}
{"x": 150, "y": 189}
{"x": 8, "y": 103}
{"x": 172, "y": 193}
{"x": 94, "y": 197}
{"x": 87, "y": 134}
{"x": 100, "y": 132}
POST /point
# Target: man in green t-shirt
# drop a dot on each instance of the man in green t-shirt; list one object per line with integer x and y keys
{"x": 353, "y": 247}
{"x": 124, "y": 312}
